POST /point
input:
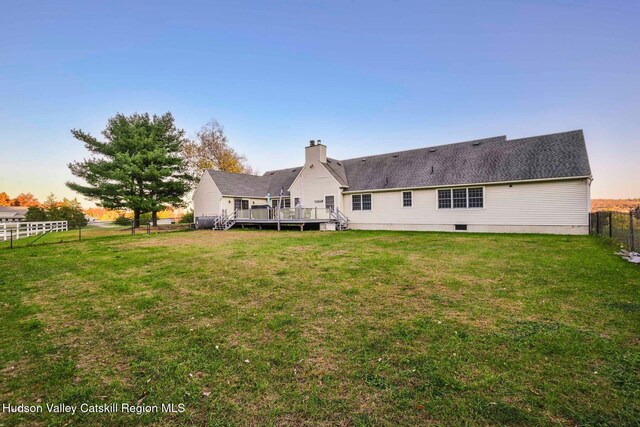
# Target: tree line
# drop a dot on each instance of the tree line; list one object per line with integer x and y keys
{"x": 22, "y": 199}
{"x": 52, "y": 209}
{"x": 145, "y": 164}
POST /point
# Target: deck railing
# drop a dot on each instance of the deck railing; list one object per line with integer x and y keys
{"x": 284, "y": 214}
{"x": 17, "y": 230}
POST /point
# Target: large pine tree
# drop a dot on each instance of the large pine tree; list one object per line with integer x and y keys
{"x": 139, "y": 165}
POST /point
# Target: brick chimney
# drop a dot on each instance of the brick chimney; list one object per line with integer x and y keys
{"x": 315, "y": 152}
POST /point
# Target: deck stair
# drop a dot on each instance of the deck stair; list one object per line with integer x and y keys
{"x": 341, "y": 221}
{"x": 225, "y": 222}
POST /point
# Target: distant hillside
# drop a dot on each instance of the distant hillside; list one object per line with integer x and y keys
{"x": 619, "y": 205}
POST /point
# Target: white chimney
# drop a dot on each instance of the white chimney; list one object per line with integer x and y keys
{"x": 315, "y": 152}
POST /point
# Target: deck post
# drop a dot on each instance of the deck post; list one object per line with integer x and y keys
{"x": 278, "y": 212}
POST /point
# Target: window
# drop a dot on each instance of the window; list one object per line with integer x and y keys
{"x": 296, "y": 201}
{"x": 407, "y": 199}
{"x": 459, "y": 198}
{"x": 356, "y": 202}
{"x": 366, "y": 202}
{"x": 361, "y": 202}
{"x": 329, "y": 202}
{"x": 476, "y": 199}
{"x": 444, "y": 199}
{"x": 460, "y": 227}
{"x": 286, "y": 203}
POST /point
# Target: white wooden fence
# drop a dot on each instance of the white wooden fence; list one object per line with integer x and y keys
{"x": 27, "y": 229}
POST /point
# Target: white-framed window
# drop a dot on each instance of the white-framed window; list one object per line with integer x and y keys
{"x": 361, "y": 202}
{"x": 461, "y": 198}
{"x": 330, "y": 202}
{"x": 407, "y": 199}
{"x": 444, "y": 199}
{"x": 476, "y": 197}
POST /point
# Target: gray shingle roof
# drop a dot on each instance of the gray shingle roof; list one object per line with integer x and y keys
{"x": 336, "y": 168}
{"x": 282, "y": 178}
{"x": 480, "y": 161}
{"x": 496, "y": 159}
{"x": 239, "y": 184}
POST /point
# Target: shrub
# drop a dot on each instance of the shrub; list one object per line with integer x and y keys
{"x": 187, "y": 218}
{"x": 145, "y": 218}
{"x": 122, "y": 220}
{"x": 74, "y": 216}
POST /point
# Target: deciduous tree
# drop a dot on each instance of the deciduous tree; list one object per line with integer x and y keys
{"x": 211, "y": 150}
{"x": 5, "y": 200}
{"x": 26, "y": 200}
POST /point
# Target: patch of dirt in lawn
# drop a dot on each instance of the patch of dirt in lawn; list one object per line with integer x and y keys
{"x": 335, "y": 253}
{"x": 93, "y": 358}
{"x": 13, "y": 369}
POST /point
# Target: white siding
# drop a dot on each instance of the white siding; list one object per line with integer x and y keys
{"x": 206, "y": 198}
{"x": 312, "y": 184}
{"x": 550, "y": 206}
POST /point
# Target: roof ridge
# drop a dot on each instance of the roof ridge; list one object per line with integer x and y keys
{"x": 581, "y": 131}
{"x": 234, "y": 173}
{"x": 282, "y": 170}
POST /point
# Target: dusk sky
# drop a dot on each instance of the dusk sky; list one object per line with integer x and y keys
{"x": 365, "y": 77}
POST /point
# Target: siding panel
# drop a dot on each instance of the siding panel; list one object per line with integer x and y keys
{"x": 313, "y": 184}
{"x": 553, "y": 203}
{"x": 206, "y": 198}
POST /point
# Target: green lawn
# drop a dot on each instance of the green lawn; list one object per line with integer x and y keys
{"x": 353, "y": 328}
{"x": 91, "y": 231}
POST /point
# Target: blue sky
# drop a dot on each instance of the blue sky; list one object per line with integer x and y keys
{"x": 365, "y": 77}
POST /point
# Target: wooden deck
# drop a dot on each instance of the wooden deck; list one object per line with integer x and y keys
{"x": 298, "y": 217}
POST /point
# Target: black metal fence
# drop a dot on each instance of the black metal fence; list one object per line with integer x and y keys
{"x": 621, "y": 226}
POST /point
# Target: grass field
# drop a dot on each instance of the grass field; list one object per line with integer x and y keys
{"x": 92, "y": 231}
{"x": 353, "y": 328}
